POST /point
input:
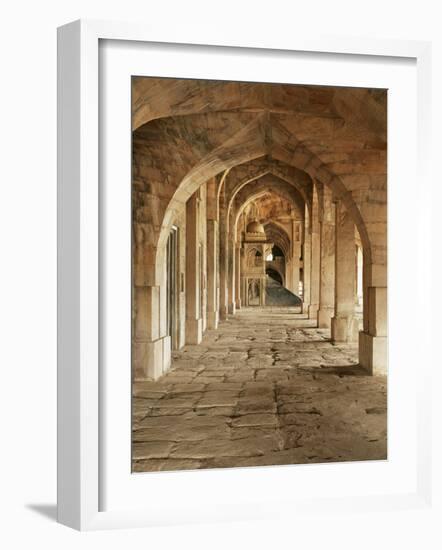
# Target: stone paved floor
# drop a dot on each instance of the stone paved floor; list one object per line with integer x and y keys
{"x": 265, "y": 388}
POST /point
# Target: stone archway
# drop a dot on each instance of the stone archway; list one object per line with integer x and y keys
{"x": 260, "y": 135}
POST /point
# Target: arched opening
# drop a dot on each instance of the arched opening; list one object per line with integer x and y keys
{"x": 277, "y": 252}
{"x": 259, "y": 251}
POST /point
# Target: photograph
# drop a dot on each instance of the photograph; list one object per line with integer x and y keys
{"x": 221, "y": 271}
{"x": 259, "y": 274}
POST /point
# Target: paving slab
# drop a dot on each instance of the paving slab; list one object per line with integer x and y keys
{"x": 266, "y": 388}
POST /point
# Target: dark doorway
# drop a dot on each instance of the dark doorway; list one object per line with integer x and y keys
{"x": 172, "y": 287}
{"x": 277, "y": 252}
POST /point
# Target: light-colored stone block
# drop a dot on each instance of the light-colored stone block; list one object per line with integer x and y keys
{"x": 212, "y": 319}
{"x": 194, "y": 331}
{"x": 344, "y": 329}
{"x": 325, "y": 315}
{"x": 313, "y": 311}
{"x": 373, "y": 353}
{"x": 148, "y": 360}
{"x": 377, "y": 308}
{"x": 167, "y": 353}
{"x": 147, "y": 300}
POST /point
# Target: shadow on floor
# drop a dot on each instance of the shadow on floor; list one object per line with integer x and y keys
{"x": 345, "y": 370}
{"x": 49, "y": 511}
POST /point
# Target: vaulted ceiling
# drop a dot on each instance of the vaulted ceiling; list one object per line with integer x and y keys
{"x": 184, "y": 122}
{"x": 188, "y": 131}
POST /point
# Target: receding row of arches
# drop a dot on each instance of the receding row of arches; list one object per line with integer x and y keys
{"x": 226, "y": 195}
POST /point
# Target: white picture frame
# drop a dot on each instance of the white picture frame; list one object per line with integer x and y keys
{"x": 80, "y": 437}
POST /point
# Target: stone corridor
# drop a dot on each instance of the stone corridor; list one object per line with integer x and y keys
{"x": 265, "y": 388}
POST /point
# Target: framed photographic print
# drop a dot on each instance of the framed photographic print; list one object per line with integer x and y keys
{"x": 233, "y": 289}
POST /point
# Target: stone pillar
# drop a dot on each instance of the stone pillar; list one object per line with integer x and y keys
{"x": 243, "y": 282}
{"x": 327, "y": 271}
{"x": 296, "y": 252}
{"x": 148, "y": 346}
{"x": 223, "y": 296}
{"x": 314, "y": 274}
{"x": 202, "y": 220}
{"x": 288, "y": 275}
{"x": 231, "y": 284}
{"x": 151, "y": 346}
{"x": 194, "y": 322}
{"x": 359, "y": 269}
{"x": 238, "y": 276}
{"x": 306, "y": 255}
{"x": 373, "y": 340}
{"x": 344, "y": 325}
{"x": 315, "y": 263}
{"x": 212, "y": 266}
{"x": 263, "y": 291}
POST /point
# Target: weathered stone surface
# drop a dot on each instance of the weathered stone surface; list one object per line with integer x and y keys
{"x": 256, "y": 405}
{"x": 314, "y": 414}
{"x": 299, "y": 157}
{"x": 253, "y": 446}
{"x": 151, "y": 449}
{"x": 158, "y": 465}
{"x": 255, "y": 419}
{"x": 227, "y": 398}
{"x": 182, "y": 431}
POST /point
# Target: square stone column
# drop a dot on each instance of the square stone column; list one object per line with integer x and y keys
{"x": 306, "y": 255}
{"x": 263, "y": 291}
{"x": 296, "y": 252}
{"x": 243, "y": 280}
{"x": 223, "y": 295}
{"x": 238, "y": 276}
{"x": 327, "y": 271}
{"x": 194, "y": 322}
{"x": 315, "y": 256}
{"x": 231, "y": 282}
{"x": 212, "y": 266}
{"x": 295, "y": 263}
{"x": 151, "y": 350}
{"x": 373, "y": 343}
{"x": 344, "y": 325}
{"x": 314, "y": 274}
{"x": 222, "y": 238}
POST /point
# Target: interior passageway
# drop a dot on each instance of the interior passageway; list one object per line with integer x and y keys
{"x": 267, "y": 387}
{"x": 259, "y": 273}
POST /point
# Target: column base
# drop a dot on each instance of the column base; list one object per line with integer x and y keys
{"x": 344, "y": 329}
{"x": 313, "y": 311}
{"x": 194, "y": 331}
{"x": 212, "y": 319}
{"x": 223, "y": 313}
{"x": 373, "y": 355}
{"x": 151, "y": 359}
{"x": 305, "y": 307}
{"x": 167, "y": 353}
{"x": 232, "y": 308}
{"x": 238, "y": 304}
{"x": 325, "y": 315}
